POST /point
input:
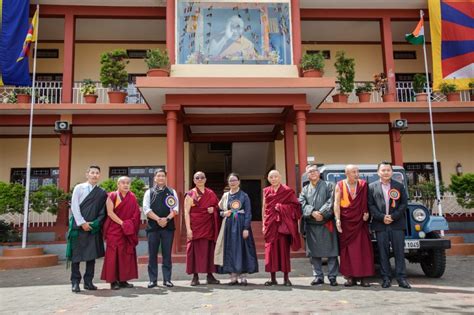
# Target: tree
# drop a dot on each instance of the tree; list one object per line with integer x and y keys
{"x": 425, "y": 193}
{"x": 463, "y": 187}
{"x": 47, "y": 198}
{"x": 11, "y": 197}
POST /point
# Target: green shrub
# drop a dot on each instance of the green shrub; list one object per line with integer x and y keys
{"x": 8, "y": 233}
{"x": 425, "y": 193}
{"x": 463, "y": 187}
{"x": 47, "y": 198}
{"x": 11, "y": 198}
{"x": 313, "y": 62}
{"x": 88, "y": 87}
{"x": 157, "y": 59}
{"x": 447, "y": 88}
{"x": 112, "y": 71}
{"x": 419, "y": 82}
{"x": 366, "y": 88}
{"x": 345, "y": 69}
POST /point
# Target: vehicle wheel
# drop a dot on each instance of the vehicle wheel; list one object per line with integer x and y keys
{"x": 434, "y": 263}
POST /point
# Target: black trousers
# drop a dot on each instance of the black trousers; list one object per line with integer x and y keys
{"x": 155, "y": 238}
{"x": 76, "y": 272}
{"x": 396, "y": 238}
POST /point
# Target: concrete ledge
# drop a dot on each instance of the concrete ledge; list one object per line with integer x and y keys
{"x": 23, "y": 252}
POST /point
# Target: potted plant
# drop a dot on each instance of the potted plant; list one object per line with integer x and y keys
{"x": 450, "y": 90}
{"x": 345, "y": 69}
{"x": 381, "y": 85}
{"x": 158, "y": 63}
{"x": 113, "y": 74}
{"x": 364, "y": 92}
{"x": 88, "y": 90}
{"x": 23, "y": 95}
{"x": 313, "y": 65}
{"x": 419, "y": 83}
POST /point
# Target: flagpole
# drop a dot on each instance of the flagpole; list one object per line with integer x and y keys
{"x": 30, "y": 132}
{"x": 435, "y": 162}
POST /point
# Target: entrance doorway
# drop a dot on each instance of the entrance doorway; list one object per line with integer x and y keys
{"x": 251, "y": 160}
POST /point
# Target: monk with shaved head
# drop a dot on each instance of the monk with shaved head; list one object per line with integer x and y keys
{"x": 352, "y": 215}
{"x": 121, "y": 235}
{"x": 280, "y": 213}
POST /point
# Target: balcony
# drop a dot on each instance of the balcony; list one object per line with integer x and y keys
{"x": 50, "y": 92}
{"x": 404, "y": 93}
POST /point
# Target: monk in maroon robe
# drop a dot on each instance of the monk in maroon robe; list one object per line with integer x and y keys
{"x": 202, "y": 228}
{"x": 351, "y": 211}
{"x": 121, "y": 236}
{"x": 281, "y": 212}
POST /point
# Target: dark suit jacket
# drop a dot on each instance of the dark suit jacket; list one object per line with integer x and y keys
{"x": 377, "y": 207}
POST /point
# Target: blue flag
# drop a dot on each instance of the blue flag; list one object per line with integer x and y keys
{"x": 14, "y": 26}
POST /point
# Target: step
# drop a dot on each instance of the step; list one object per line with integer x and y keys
{"x": 455, "y": 239}
{"x": 466, "y": 249}
{"x": 24, "y": 262}
{"x": 22, "y": 252}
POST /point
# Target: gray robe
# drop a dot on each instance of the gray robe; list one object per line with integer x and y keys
{"x": 320, "y": 241}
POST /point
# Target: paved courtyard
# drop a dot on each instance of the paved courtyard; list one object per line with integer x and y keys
{"x": 47, "y": 290}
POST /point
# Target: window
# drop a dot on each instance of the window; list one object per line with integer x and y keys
{"x": 420, "y": 172}
{"x": 39, "y": 177}
{"x": 145, "y": 173}
{"x": 220, "y": 147}
{"x": 326, "y": 53}
{"x": 136, "y": 53}
{"x": 408, "y": 76}
{"x": 404, "y": 54}
{"x": 47, "y": 53}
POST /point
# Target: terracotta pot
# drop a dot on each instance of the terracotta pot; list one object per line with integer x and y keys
{"x": 453, "y": 97}
{"x": 158, "y": 73}
{"x": 364, "y": 97}
{"x": 389, "y": 97}
{"x": 340, "y": 98}
{"x": 23, "y": 99}
{"x": 312, "y": 73}
{"x": 421, "y": 97}
{"x": 117, "y": 97}
{"x": 90, "y": 98}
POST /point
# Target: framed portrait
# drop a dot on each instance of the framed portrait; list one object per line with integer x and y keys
{"x": 233, "y": 32}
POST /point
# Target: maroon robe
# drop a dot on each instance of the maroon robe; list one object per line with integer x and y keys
{"x": 205, "y": 227}
{"x": 120, "y": 262}
{"x": 355, "y": 246}
{"x": 282, "y": 212}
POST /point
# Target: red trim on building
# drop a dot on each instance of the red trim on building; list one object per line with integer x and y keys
{"x": 237, "y": 119}
{"x": 119, "y": 120}
{"x": 396, "y": 146}
{"x": 301, "y": 138}
{"x": 387, "y": 52}
{"x": 232, "y": 137}
{"x": 361, "y": 14}
{"x": 170, "y": 30}
{"x": 439, "y": 118}
{"x": 347, "y": 118}
{"x": 234, "y": 100}
{"x": 290, "y": 154}
{"x": 65, "y": 148}
{"x": 68, "y": 62}
{"x": 296, "y": 31}
{"x": 103, "y": 12}
{"x": 24, "y": 120}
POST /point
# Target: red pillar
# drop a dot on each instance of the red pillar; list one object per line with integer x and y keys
{"x": 387, "y": 52}
{"x": 396, "y": 146}
{"x": 65, "y": 146}
{"x": 296, "y": 31}
{"x": 171, "y": 140}
{"x": 301, "y": 136}
{"x": 179, "y": 185}
{"x": 170, "y": 29}
{"x": 290, "y": 154}
{"x": 68, "y": 67}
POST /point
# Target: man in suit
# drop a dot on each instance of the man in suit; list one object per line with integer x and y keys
{"x": 388, "y": 202}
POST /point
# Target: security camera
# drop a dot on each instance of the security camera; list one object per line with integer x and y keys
{"x": 400, "y": 124}
{"x": 61, "y": 126}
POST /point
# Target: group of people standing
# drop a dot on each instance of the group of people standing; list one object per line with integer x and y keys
{"x": 334, "y": 222}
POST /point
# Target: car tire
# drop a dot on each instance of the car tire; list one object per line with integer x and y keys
{"x": 434, "y": 264}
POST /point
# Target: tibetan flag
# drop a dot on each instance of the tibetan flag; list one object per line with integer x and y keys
{"x": 13, "y": 27}
{"x": 452, "y": 41}
{"x": 30, "y": 37}
{"x": 417, "y": 37}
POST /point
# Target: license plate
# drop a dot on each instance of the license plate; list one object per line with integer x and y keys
{"x": 412, "y": 244}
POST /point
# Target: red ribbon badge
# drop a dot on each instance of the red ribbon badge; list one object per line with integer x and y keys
{"x": 394, "y": 195}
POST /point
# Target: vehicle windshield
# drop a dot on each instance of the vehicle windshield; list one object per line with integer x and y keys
{"x": 369, "y": 177}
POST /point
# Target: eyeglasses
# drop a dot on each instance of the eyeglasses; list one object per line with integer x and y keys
{"x": 199, "y": 178}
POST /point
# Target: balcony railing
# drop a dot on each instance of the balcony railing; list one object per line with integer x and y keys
{"x": 404, "y": 93}
{"x": 51, "y": 92}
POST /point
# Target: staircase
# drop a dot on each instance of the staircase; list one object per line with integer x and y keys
{"x": 459, "y": 247}
{"x": 180, "y": 256}
{"x": 461, "y": 234}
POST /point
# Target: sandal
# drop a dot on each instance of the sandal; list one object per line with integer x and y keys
{"x": 270, "y": 283}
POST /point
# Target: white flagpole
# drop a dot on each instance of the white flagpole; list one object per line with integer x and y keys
{"x": 435, "y": 162}
{"x": 28, "y": 157}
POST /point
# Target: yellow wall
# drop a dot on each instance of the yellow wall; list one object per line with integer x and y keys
{"x": 280, "y": 158}
{"x": 451, "y": 149}
{"x": 110, "y": 152}
{"x": 369, "y": 60}
{"x": 87, "y": 59}
{"x": 44, "y": 153}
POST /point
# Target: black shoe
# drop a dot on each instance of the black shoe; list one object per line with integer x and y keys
{"x": 115, "y": 286}
{"x": 75, "y": 287}
{"x": 152, "y": 284}
{"x": 317, "y": 281}
{"x": 90, "y": 286}
{"x": 364, "y": 283}
{"x": 386, "y": 284}
{"x": 333, "y": 282}
{"x": 404, "y": 284}
{"x": 287, "y": 283}
{"x": 125, "y": 284}
{"x": 212, "y": 280}
{"x": 270, "y": 283}
{"x": 168, "y": 284}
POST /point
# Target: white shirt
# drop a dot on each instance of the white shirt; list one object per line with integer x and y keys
{"x": 146, "y": 200}
{"x": 78, "y": 195}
